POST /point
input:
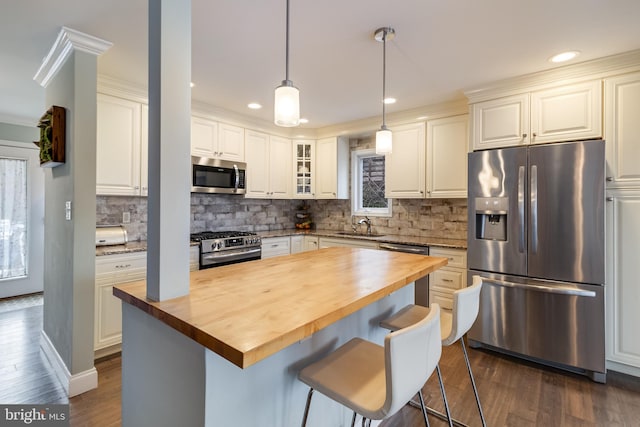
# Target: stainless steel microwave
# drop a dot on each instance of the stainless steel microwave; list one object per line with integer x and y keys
{"x": 217, "y": 176}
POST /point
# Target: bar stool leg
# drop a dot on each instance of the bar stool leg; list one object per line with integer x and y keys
{"x": 353, "y": 420}
{"x": 306, "y": 408}
{"x": 424, "y": 408}
{"x": 444, "y": 396}
{"x": 473, "y": 383}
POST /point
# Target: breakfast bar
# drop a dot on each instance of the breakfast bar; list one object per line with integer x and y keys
{"x": 228, "y": 353}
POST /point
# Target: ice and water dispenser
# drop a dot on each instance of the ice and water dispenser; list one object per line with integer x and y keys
{"x": 491, "y": 218}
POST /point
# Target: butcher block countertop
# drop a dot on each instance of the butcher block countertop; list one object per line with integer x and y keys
{"x": 246, "y": 312}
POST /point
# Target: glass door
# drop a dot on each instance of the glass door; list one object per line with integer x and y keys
{"x": 304, "y": 164}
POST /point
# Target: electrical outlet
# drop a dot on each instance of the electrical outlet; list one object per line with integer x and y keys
{"x": 126, "y": 217}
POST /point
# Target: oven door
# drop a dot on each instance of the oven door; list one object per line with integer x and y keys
{"x": 217, "y": 176}
{"x": 232, "y": 256}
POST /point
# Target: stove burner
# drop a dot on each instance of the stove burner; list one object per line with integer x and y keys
{"x": 208, "y": 235}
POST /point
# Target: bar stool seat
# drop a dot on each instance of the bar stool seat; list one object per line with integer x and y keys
{"x": 376, "y": 381}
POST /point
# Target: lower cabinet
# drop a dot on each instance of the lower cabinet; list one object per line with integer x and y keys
{"x": 327, "y": 242}
{"x": 275, "y": 246}
{"x": 297, "y": 244}
{"x": 113, "y": 270}
{"x": 443, "y": 282}
{"x": 310, "y": 243}
{"x": 622, "y": 288}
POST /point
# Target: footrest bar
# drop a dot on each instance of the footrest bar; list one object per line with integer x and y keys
{"x": 438, "y": 414}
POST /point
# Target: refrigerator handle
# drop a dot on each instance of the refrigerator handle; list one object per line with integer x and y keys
{"x": 521, "y": 207}
{"x": 534, "y": 209}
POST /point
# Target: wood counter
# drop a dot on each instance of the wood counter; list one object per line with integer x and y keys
{"x": 249, "y": 311}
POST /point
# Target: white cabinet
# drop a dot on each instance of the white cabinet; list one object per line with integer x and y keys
{"x": 328, "y": 242}
{"x": 297, "y": 244}
{"x": 622, "y": 129}
{"x": 332, "y": 167}
{"x": 563, "y": 113}
{"x": 275, "y": 246}
{"x": 121, "y": 146}
{"x": 268, "y": 166}
{"x": 112, "y": 270}
{"x": 405, "y": 166}
{"x": 216, "y": 140}
{"x": 304, "y": 175}
{"x": 310, "y": 243}
{"x": 447, "y": 142}
{"x": 194, "y": 258}
{"x": 446, "y": 280}
{"x": 623, "y": 273}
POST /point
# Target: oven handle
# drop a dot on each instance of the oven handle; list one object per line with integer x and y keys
{"x": 219, "y": 255}
{"x": 563, "y": 290}
{"x": 396, "y": 248}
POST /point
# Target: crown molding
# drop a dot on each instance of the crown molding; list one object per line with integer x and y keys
{"x": 589, "y": 70}
{"x": 68, "y": 40}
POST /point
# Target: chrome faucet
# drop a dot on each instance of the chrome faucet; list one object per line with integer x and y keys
{"x": 367, "y": 221}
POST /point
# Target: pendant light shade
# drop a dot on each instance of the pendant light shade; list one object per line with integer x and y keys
{"x": 286, "y": 108}
{"x": 287, "y": 105}
{"x": 384, "y": 138}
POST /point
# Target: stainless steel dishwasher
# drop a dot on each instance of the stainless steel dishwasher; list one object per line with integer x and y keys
{"x": 422, "y": 285}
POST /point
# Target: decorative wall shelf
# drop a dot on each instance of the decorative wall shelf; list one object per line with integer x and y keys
{"x": 52, "y": 141}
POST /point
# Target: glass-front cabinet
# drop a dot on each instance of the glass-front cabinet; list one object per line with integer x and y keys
{"x": 304, "y": 172}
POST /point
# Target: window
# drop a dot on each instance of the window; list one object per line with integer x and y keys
{"x": 13, "y": 218}
{"x": 367, "y": 172}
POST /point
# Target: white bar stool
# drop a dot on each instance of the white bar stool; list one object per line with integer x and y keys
{"x": 376, "y": 381}
{"x": 453, "y": 326}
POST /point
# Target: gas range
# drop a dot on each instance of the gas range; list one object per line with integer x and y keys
{"x": 219, "y": 248}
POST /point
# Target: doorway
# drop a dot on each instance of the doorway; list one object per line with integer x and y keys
{"x": 21, "y": 220}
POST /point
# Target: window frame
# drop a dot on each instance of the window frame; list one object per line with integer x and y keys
{"x": 356, "y": 187}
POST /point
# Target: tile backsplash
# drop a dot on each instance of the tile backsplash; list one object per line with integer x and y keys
{"x": 427, "y": 218}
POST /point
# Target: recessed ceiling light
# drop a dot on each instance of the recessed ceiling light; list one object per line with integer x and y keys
{"x": 192, "y": 84}
{"x": 303, "y": 120}
{"x": 564, "y": 56}
{"x": 254, "y": 106}
{"x": 389, "y": 100}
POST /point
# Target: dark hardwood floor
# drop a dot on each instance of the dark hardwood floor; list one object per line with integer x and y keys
{"x": 513, "y": 392}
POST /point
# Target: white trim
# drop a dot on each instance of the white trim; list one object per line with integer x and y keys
{"x": 67, "y": 41}
{"x": 73, "y": 384}
{"x": 623, "y": 368}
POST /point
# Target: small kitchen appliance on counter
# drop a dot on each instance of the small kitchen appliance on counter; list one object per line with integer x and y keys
{"x": 219, "y": 248}
{"x": 111, "y": 235}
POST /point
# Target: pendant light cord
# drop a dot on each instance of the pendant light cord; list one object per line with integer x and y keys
{"x": 287, "y": 48}
{"x": 384, "y": 72}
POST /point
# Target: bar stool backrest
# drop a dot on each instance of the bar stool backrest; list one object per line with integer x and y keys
{"x": 411, "y": 356}
{"x": 466, "y": 303}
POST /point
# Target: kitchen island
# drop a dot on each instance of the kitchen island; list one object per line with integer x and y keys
{"x": 229, "y": 352}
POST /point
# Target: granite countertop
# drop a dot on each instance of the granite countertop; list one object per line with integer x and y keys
{"x": 441, "y": 242}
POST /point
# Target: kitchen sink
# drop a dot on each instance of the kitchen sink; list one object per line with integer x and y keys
{"x": 353, "y": 233}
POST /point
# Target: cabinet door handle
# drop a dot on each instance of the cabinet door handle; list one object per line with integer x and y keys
{"x": 524, "y": 135}
{"x": 535, "y": 134}
{"x": 609, "y": 179}
{"x": 447, "y": 280}
{"x": 609, "y": 199}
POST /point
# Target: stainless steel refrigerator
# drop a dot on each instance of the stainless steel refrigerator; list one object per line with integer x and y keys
{"x": 536, "y": 236}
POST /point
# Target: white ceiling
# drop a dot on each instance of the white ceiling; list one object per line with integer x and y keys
{"x": 441, "y": 48}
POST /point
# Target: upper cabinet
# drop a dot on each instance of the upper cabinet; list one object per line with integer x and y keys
{"x": 332, "y": 168}
{"x": 405, "y": 166}
{"x": 447, "y": 142}
{"x": 268, "y": 161}
{"x": 216, "y": 140}
{"x": 622, "y": 130}
{"x": 304, "y": 175}
{"x": 121, "y": 146}
{"x": 564, "y": 113}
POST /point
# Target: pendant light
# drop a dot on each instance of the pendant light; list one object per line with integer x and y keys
{"x": 383, "y": 136}
{"x": 287, "y": 97}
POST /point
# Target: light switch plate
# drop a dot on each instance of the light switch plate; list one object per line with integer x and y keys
{"x": 126, "y": 217}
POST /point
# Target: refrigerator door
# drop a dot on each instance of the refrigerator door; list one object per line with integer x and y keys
{"x": 549, "y": 321}
{"x": 497, "y": 211}
{"x": 566, "y": 218}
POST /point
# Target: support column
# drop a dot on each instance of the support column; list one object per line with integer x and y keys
{"x": 169, "y": 149}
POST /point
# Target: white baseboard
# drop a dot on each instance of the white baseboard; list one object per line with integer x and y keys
{"x": 623, "y": 368}
{"x": 73, "y": 384}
